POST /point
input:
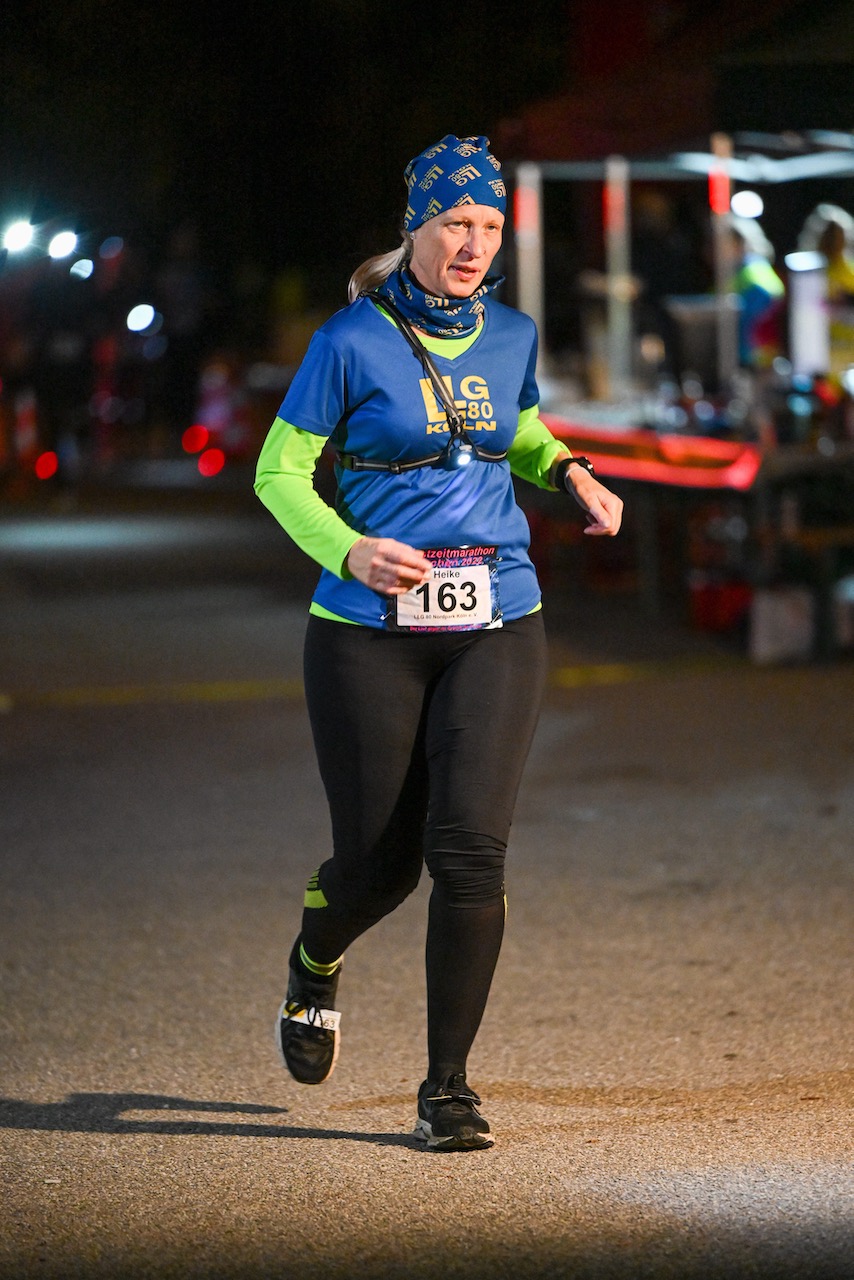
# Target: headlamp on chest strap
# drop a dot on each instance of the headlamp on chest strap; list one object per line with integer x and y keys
{"x": 460, "y": 449}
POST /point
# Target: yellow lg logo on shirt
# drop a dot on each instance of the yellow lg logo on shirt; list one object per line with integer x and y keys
{"x": 473, "y": 402}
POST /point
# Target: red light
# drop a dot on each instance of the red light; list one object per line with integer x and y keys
{"x": 614, "y": 208}
{"x": 211, "y": 462}
{"x": 719, "y": 191}
{"x": 526, "y": 210}
{"x": 47, "y": 465}
{"x": 827, "y": 393}
{"x": 195, "y": 438}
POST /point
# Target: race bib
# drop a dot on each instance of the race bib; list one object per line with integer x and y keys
{"x": 460, "y": 595}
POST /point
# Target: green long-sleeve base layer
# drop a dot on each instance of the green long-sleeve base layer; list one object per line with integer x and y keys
{"x": 284, "y": 482}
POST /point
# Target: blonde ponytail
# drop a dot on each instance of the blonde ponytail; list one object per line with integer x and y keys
{"x": 374, "y": 270}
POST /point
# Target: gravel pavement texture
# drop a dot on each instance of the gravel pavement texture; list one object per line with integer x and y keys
{"x": 667, "y": 1059}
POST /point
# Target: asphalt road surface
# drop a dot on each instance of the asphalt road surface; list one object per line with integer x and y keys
{"x": 667, "y": 1054}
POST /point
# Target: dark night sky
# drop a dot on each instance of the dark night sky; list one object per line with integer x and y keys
{"x": 281, "y": 129}
{"x": 287, "y": 132}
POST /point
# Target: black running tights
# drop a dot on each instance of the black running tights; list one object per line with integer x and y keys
{"x": 421, "y": 741}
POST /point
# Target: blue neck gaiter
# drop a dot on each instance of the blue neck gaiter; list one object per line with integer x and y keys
{"x": 441, "y": 317}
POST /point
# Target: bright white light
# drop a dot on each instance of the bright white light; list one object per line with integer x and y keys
{"x": 18, "y": 236}
{"x": 82, "y": 268}
{"x": 140, "y": 317}
{"x": 805, "y": 260}
{"x": 62, "y": 244}
{"x": 747, "y": 204}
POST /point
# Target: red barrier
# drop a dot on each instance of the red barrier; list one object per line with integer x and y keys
{"x": 690, "y": 462}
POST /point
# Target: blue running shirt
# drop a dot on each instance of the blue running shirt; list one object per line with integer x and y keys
{"x": 361, "y": 387}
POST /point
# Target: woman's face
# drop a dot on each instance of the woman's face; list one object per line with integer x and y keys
{"x": 452, "y": 252}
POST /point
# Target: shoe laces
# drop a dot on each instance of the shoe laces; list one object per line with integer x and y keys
{"x": 455, "y": 1089}
{"x": 313, "y": 1012}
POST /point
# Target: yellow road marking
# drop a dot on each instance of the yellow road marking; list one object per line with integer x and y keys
{"x": 575, "y": 677}
{"x": 564, "y": 677}
{"x": 136, "y": 694}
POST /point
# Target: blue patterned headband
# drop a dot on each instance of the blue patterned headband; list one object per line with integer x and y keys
{"x": 453, "y": 172}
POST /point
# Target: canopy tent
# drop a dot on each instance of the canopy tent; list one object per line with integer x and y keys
{"x": 749, "y": 159}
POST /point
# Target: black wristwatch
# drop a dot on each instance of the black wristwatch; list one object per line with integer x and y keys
{"x": 564, "y": 465}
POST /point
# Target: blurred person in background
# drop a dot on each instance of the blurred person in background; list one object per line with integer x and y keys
{"x": 829, "y": 230}
{"x": 759, "y": 290}
{"x": 425, "y": 653}
{"x": 665, "y": 262}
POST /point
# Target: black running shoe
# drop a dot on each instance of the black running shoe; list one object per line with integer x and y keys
{"x": 307, "y": 1025}
{"x": 448, "y": 1119}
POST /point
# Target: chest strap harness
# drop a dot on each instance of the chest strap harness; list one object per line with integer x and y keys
{"x": 460, "y": 449}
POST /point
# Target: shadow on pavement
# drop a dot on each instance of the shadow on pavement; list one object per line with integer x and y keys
{"x": 104, "y": 1113}
{"x": 621, "y": 1230}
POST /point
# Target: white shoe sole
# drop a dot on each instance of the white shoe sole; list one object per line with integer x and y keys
{"x": 423, "y": 1131}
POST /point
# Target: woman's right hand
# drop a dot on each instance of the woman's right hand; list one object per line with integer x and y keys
{"x": 387, "y": 566}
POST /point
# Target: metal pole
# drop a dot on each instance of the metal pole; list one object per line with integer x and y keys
{"x": 727, "y": 303}
{"x": 528, "y": 229}
{"x": 617, "y": 253}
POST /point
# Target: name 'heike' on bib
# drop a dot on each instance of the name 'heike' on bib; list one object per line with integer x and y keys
{"x": 442, "y": 317}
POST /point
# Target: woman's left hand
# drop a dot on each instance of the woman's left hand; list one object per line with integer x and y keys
{"x": 604, "y": 509}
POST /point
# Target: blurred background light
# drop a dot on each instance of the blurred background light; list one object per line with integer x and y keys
{"x": 18, "y": 236}
{"x": 195, "y": 438}
{"x": 805, "y": 260}
{"x": 82, "y": 268}
{"x": 211, "y": 462}
{"x": 800, "y": 406}
{"x": 747, "y": 204}
{"x": 62, "y": 245}
{"x": 111, "y": 247}
{"x": 673, "y": 418}
{"x": 47, "y": 465}
{"x": 140, "y": 317}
